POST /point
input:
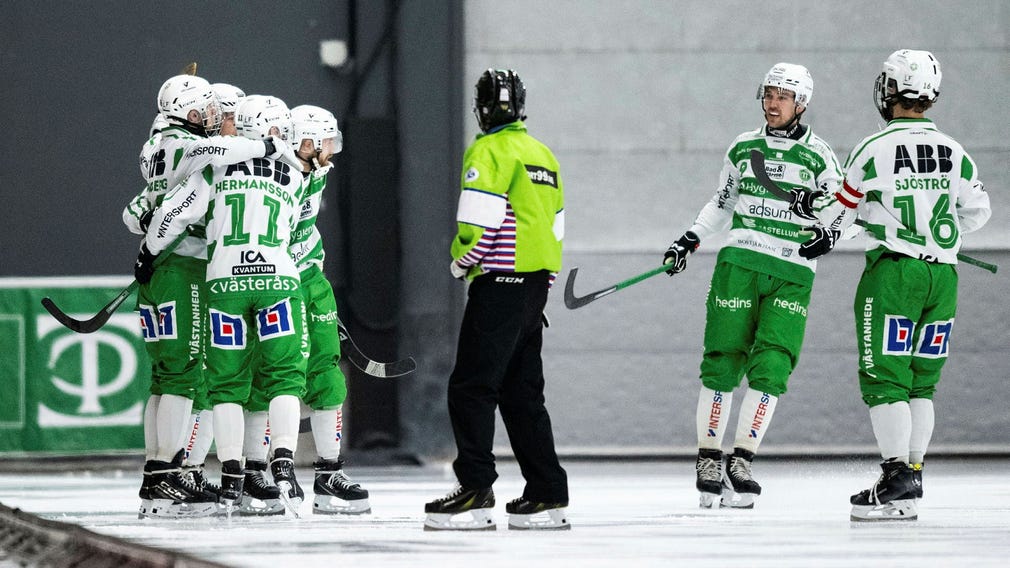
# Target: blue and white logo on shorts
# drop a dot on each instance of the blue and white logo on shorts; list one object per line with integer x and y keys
{"x": 227, "y": 331}
{"x": 275, "y": 321}
{"x": 898, "y": 331}
{"x": 935, "y": 339}
{"x": 166, "y": 321}
{"x": 148, "y": 327}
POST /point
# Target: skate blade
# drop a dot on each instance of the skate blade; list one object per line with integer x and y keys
{"x": 329, "y": 505}
{"x": 168, "y": 509}
{"x": 290, "y": 503}
{"x": 481, "y": 520}
{"x": 253, "y": 507}
{"x": 733, "y": 500}
{"x": 897, "y": 510}
{"x": 549, "y": 520}
{"x": 145, "y": 509}
{"x": 708, "y": 500}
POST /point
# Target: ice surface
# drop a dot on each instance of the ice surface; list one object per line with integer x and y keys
{"x": 623, "y": 514}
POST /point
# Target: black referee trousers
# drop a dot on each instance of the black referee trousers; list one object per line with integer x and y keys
{"x": 498, "y": 364}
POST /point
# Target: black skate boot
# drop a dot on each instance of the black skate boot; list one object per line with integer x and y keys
{"x": 917, "y": 479}
{"x": 891, "y": 498}
{"x": 259, "y": 496}
{"x": 477, "y": 502}
{"x": 197, "y": 477}
{"x": 709, "y": 484}
{"x": 175, "y": 496}
{"x": 739, "y": 487}
{"x": 525, "y": 514}
{"x": 283, "y": 469}
{"x": 335, "y": 492}
{"x": 232, "y": 480}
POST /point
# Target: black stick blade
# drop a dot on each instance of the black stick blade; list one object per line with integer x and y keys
{"x": 573, "y": 302}
{"x": 368, "y": 366}
{"x": 89, "y": 325}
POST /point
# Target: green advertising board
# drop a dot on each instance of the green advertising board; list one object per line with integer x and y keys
{"x": 65, "y": 392}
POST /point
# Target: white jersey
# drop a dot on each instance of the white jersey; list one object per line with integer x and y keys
{"x": 916, "y": 190}
{"x": 763, "y": 234}
{"x": 171, "y": 156}
{"x": 251, "y": 209}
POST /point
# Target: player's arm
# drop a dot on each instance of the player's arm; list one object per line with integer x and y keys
{"x": 137, "y": 213}
{"x": 717, "y": 214}
{"x": 184, "y": 205}
{"x": 973, "y": 209}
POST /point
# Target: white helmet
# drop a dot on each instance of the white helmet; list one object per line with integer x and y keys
{"x": 257, "y": 114}
{"x": 907, "y": 74}
{"x": 791, "y": 77}
{"x": 316, "y": 124}
{"x": 227, "y": 96}
{"x": 184, "y": 93}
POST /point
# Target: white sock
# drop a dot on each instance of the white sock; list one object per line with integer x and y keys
{"x": 285, "y": 416}
{"x": 151, "y": 427}
{"x": 755, "y": 416}
{"x": 892, "y": 426}
{"x": 712, "y": 415}
{"x": 173, "y": 425}
{"x": 923, "y": 419}
{"x": 201, "y": 437}
{"x": 229, "y": 431}
{"x": 326, "y": 426}
{"x": 257, "y": 436}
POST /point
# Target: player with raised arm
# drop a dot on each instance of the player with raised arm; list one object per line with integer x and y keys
{"x": 254, "y": 303}
{"x": 916, "y": 192}
{"x": 756, "y": 310}
{"x": 172, "y": 304}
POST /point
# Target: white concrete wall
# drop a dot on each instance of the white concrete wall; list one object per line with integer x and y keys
{"x": 639, "y": 100}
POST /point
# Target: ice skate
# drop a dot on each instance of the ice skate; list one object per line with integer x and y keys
{"x": 197, "y": 477}
{"x": 283, "y": 469}
{"x": 531, "y": 515}
{"x": 232, "y": 479}
{"x": 709, "y": 484}
{"x": 891, "y": 498}
{"x": 259, "y": 496}
{"x": 145, "y": 492}
{"x": 175, "y": 496}
{"x": 739, "y": 488}
{"x": 335, "y": 492}
{"x": 479, "y": 503}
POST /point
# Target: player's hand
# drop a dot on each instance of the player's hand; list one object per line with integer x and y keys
{"x": 458, "y": 272}
{"x": 803, "y": 203}
{"x": 278, "y": 149}
{"x": 143, "y": 269}
{"x": 820, "y": 244}
{"x": 676, "y": 255}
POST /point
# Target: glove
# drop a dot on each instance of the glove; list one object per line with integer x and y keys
{"x": 278, "y": 149}
{"x": 320, "y": 169}
{"x": 458, "y": 272}
{"x": 145, "y": 220}
{"x": 803, "y": 203}
{"x": 821, "y": 243}
{"x": 143, "y": 269}
{"x": 677, "y": 254}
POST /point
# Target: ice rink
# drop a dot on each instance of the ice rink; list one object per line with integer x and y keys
{"x": 631, "y": 513}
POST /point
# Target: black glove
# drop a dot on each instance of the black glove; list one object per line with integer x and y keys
{"x": 820, "y": 244}
{"x": 803, "y": 203}
{"x": 145, "y": 220}
{"x": 677, "y": 254}
{"x": 143, "y": 269}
